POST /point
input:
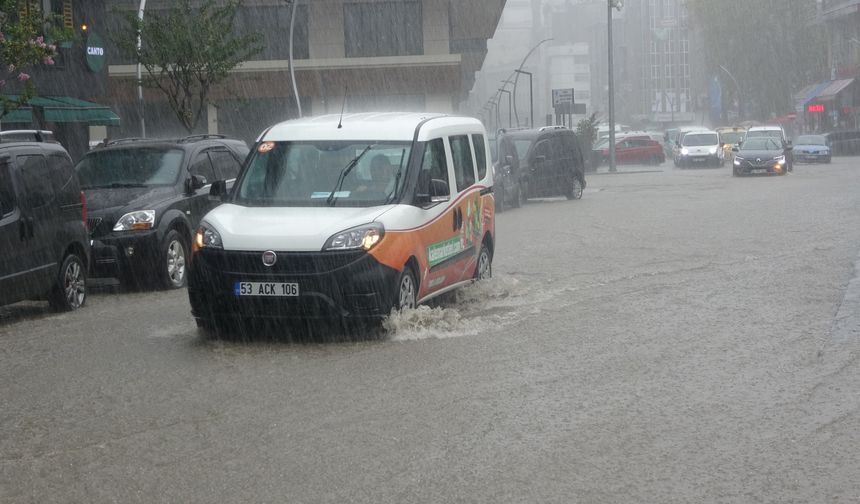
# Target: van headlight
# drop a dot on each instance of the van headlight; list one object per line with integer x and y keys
{"x": 713, "y": 150}
{"x": 362, "y": 237}
{"x": 140, "y": 220}
{"x": 685, "y": 151}
{"x": 207, "y": 237}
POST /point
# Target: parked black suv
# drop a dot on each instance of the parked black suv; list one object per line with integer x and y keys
{"x": 145, "y": 199}
{"x": 548, "y": 162}
{"x": 44, "y": 249}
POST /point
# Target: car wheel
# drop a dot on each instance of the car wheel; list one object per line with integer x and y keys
{"x": 655, "y": 160}
{"x": 407, "y": 290}
{"x": 174, "y": 260}
{"x": 70, "y": 291}
{"x": 484, "y": 269}
{"x": 575, "y": 191}
{"x": 827, "y": 160}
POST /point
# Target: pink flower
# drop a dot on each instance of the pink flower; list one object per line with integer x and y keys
{"x": 40, "y": 40}
{"x": 48, "y": 60}
{"x": 23, "y": 77}
{"x": 2, "y": 37}
{"x": 2, "y": 83}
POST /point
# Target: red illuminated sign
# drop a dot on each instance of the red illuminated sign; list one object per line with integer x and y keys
{"x": 817, "y": 108}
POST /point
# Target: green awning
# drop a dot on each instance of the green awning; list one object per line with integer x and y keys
{"x": 64, "y": 109}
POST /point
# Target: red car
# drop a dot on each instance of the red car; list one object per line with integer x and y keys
{"x": 633, "y": 150}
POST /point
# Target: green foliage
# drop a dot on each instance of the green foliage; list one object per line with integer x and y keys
{"x": 772, "y": 47}
{"x": 27, "y": 38}
{"x": 586, "y": 130}
{"x": 186, "y": 51}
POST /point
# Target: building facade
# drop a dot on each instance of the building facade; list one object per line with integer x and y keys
{"x": 837, "y": 106}
{"x": 359, "y": 55}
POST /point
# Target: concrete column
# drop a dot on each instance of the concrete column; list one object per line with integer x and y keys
{"x": 325, "y": 30}
{"x": 436, "y": 27}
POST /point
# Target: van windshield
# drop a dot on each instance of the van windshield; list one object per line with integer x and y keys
{"x": 303, "y": 174}
{"x": 700, "y": 139}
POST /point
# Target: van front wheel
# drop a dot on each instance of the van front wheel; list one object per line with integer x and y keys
{"x": 407, "y": 290}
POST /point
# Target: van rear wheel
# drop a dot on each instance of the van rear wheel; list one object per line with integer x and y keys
{"x": 575, "y": 190}
{"x": 484, "y": 269}
{"x": 70, "y": 291}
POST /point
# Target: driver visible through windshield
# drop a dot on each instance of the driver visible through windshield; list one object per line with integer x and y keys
{"x": 300, "y": 174}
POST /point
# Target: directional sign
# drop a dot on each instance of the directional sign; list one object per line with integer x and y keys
{"x": 562, "y": 97}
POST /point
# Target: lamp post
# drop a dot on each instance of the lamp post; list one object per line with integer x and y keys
{"x": 292, "y": 69}
{"x": 140, "y": 12}
{"x": 519, "y": 71}
{"x": 740, "y": 96}
{"x": 531, "y": 99}
{"x": 617, "y": 4}
{"x": 510, "y": 109}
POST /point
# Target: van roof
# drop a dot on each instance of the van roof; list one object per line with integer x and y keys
{"x": 382, "y": 126}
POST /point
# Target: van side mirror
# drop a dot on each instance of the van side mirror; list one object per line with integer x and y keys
{"x": 735, "y": 149}
{"x": 218, "y": 190}
{"x": 437, "y": 191}
{"x": 509, "y": 160}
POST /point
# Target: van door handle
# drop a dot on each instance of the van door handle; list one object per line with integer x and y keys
{"x": 22, "y": 229}
{"x": 456, "y": 214}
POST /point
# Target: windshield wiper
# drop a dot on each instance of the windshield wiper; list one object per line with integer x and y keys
{"x": 393, "y": 194}
{"x": 343, "y": 173}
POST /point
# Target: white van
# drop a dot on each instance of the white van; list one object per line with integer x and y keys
{"x": 700, "y": 148}
{"x": 347, "y": 218}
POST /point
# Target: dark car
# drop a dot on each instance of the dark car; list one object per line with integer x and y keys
{"x": 844, "y": 143}
{"x": 43, "y": 235}
{"x": 760, "y": 155}
{"x": 145, "y": 199}
{"x": 550, "y": 162}
{"x": 506, "y": 174}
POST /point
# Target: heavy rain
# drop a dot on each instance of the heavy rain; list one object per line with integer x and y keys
{"x": 430, "y": 251}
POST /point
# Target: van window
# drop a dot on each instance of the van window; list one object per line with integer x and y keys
{"x": 464, "y": 168}
{"x": 36, "y": 177}
{"x": 62, "y": 171}
{"x": 434, "y": 165}
{"x": 480, "y": 155}
{"x": 7, "y": 194}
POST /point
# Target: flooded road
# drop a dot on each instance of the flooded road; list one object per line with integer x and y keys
{"x": 668, "y": 338}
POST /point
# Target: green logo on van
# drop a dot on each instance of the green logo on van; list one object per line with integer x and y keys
{"x": 442, "y": 251}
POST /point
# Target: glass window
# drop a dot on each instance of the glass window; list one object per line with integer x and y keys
{"x": 434, "y": 166}
{"x": 62, "y": 171}
{"x": 226, "y": 166}
{"x": 464, "y": 167}
{"x": 202, "y": 167}
{"x": 383, "y": 29}
{"x": 305, "y": 174}
{"x": 7, "y": 193}
{"x": 35, "y": 174}
{"x": 480, "y": 155}
{"x": 135, "y": 167}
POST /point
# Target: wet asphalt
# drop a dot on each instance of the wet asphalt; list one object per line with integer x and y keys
{"x": 668, "y": 338}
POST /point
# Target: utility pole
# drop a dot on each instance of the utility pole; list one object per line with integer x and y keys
{"x": 611, "y": 4}
{"x": 292, "y": 68}
{"x": 510, "y": 108}
{"x": 140, "y": 12}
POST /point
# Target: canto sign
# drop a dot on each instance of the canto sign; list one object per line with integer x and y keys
{"x": 95, "y": 53}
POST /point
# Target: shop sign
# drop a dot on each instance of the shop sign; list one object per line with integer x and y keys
{"x": 95, "y": 53}
{"x": 815, "y": 108}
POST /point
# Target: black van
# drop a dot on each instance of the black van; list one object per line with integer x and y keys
{"x": 549, "y": 161}
{"x": 44, "y": 246}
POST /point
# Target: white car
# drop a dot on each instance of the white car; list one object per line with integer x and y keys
{"x": 345, "y": 218}
{"x": 700, "y": 148}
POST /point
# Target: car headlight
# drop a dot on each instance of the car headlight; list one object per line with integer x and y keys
{"x": 207, "y": 237}
{"x": 140, "y": 220}
{"x": 825, "y": 151}
{"x": 738, "y": 160}
{"x": 685, "y": 151}
{"x": 362, "y": 237}
{"x": 780, "y": 159}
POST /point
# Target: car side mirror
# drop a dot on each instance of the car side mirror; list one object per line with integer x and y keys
{"x": 540, "y": 159}
{"x": 735, "y": 149}
{"x": 194, "y": 182}
{"x": 218, "y": 189}
{"x": 789, "y": 145}
{"x": 509, "y": 160}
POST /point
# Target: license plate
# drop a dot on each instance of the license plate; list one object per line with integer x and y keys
{"x": 266, "y": 289}
{"x": 758, "y": 171}
{"x": 699, "y": 160}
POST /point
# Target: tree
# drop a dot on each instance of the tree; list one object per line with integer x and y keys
{"x": 27, "y": 38}
{"x": 186, "y": 51}
{"x": 772, "y": 47}
{"x": 586, "y": 130}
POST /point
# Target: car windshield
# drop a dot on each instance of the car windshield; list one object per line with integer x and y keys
{"x": 305, "y": 174}
{"x": 811, "y": 140}
{"x": 761, "y": 143}
{"x": 700, "y": 139}
{"x": 132, "y": 167}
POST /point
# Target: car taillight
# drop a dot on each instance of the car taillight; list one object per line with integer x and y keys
{"x": 84, "y": 208}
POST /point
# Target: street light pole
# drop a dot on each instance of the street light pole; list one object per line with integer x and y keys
{"x": 531, "y": 98}
{"x": 510, "y": 109}
{"x": 610, "y": 5}
{"x": 292, "y": 69}
{"x": 518, "y": 71}
{"x": 140, "y": 12}
{"x": 740, "y": 96}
